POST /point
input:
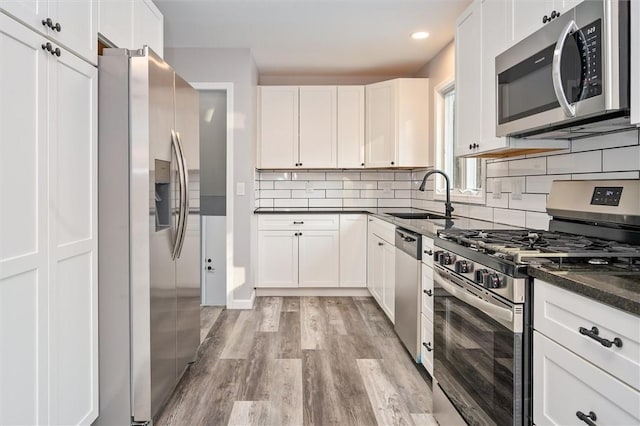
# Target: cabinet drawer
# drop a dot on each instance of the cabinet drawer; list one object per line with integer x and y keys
{"x": 315, "y": 222}
{"x": 383, "y": 229}
{"x": 427, "y": 251}
{"x": 426, "y": 355}
{"x": 427, "y": 292}
{"x": 565, "y": 384}
{"x": 559, "y": 314}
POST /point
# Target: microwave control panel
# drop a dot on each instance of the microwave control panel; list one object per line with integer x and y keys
{"x": 589, "y": 38}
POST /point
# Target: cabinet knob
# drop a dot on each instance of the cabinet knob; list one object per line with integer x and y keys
{"x": 428, "y": 292}
{"x": 362, "y": 164}
{"x": 392, "y": 163}
{"x": 47, "y": 46}
{"x": 427, "y": 346}
{"x": 545, "y": 19}
{"x": 47, "y": 22}
{"x": 298, "y": 223}
{"x": 208, "y": 260}
{"x": 209, "y": 268}
{"x": 587, "y": 418}
{"x": 56, "y": 52}
{"x": 380, "y": 244}
{"x": 428, "y": 252}
{"x": 554, "y": 15}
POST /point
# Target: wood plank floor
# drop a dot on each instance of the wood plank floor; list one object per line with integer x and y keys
{"x": 301, "y": 361}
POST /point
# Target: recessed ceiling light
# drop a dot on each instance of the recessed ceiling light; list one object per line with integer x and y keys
{"x": 419, "y": 35}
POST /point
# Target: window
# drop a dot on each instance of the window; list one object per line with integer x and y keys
{"x": 466, "y": 174}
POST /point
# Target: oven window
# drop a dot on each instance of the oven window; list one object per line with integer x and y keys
{"x": 477, "y": 362}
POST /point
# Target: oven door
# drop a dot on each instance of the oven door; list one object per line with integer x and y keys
{"x": 478, "y": 351}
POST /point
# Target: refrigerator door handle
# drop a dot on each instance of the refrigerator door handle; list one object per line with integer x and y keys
{"x": 185, "y": 198}
{"x": 178, "y": 153}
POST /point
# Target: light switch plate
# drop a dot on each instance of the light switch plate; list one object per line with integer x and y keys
{"x": 497, "y": 189}
{"x": 240, "y": 188}
{"x": 516, "y": 190}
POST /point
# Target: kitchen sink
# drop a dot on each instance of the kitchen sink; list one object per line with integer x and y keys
{"x": 417, "y": 215}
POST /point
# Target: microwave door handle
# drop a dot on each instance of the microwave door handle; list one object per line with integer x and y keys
{"x": 556, "y": 74}
{"x": 502, "y": 315}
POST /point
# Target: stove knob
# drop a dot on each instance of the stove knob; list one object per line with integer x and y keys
{"x": 463, "y": 266}
{"x": 479, "y": 276}
{"x": 493, "y": 281}
{"x": 436, "y": 255}
{"x": 447, "y": 259}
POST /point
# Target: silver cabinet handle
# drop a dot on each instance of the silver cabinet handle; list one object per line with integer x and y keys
{"x": 185, "y": 195}
{"x": 556, "y": 74}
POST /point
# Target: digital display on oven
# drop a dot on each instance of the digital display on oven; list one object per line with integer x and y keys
{"x": 606, "y": 196}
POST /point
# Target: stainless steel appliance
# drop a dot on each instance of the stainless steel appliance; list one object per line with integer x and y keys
{"x": 407, "y": 289}
{"x": 148, "y": 297}
{"x": 482, "y": 295}
{"x": 570, "y": 79}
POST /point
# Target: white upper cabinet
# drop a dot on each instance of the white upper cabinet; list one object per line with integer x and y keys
{"x": 277, "y": 127}
{"x": 131, "y": 24}
{"x": 350, "y": 124}
{"x": 317, "y": 132}
{"x": 148, "y": 26}
{"x": 468, "y": 79}
{"x": 527, "y": 16}
{"x": 397, "y": 123}
{"x": 72, "y": 24}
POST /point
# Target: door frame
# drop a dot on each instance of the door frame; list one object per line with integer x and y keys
{"x": 228, "y": 88}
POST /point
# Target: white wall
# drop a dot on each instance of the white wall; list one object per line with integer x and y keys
{"x": 238, "y": 67}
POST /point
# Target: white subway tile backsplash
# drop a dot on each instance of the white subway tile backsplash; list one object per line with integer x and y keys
{"x": 581, "y": 162}
{"x": 326, "y": 184}
{"x": 542, "y": 184}
{"x": 402, "y": 175}
{"x": 498, "y": 169}
{"x": 606, "y": 141}
{"x": 314, "y": 193}
{"x": 360, "y": 202}
{"x": 502, "y": 202}
{"x": 401, "y": 184}
{"x": 388, "y": 202}
{"x": 402, "y": 194}
{"x": 277, "y": 193}
{"x": 288, "y": 202}
{"x": 274, "y": 176}
{"x": 621, "y": 159}
{"x": 506, "y": 184}
{"x": 608, "y": 175}
{"x": 537, "y": 220}
{"x": 266, "y": 184}
{"x": 481, "y": 213}
{"x": 342, "y": 193}
{"x": 509, "y": 217}
{"x": 266, "y": 202}
{"x": 360, "y": 185}
{"x": 308, "y": 176}
{"x": 325, "y": 202}
{"x": 530, "y": 202}
{"x": 377, "y": 176}
{"x": 343, "y": 175}
{"x": 527, "y": 167}
{"x": 376, "y": 193}
{"x": 288, "y": 184}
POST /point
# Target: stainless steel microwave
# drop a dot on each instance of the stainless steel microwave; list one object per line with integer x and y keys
{"x": 569, "y": 79}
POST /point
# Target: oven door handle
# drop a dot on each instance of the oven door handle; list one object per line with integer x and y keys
{"x": 556, "y": 69}
{"x": 503, "y": 315}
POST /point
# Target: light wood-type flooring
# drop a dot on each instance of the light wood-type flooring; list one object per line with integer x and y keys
{"x": 301, "y": 361}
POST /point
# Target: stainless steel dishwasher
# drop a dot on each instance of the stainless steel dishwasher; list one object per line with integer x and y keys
{"x": 407, "y": 297}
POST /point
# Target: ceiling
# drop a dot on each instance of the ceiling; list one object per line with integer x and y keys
{"x": 317, "y": 37}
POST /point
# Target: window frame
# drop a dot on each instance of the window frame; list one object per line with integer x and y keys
{"x": 439, "y": 190}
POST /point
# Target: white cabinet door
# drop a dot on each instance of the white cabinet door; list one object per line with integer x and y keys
{"x": 318, "y": 135}
{"x": 427, "y": 292}
{"x": 380, "y": 147}
{"x": 115, "y": 22}
{"x": 24, "y": 366}
{"x": 148, "y": 26}
{"x": 78, "y": 26}
{"x": 353, "y": 250}
{"x": 375, "y": 269}
{"x": 426, "y": 345}
{"x": 564, "y": 5}
{"x": 389, "y": 280}
{"x": 31, "y": 12}
{"x": 318, "y": 258}
{"x": 73, "y": 316}
{"x": 468, "y": 78}
{"x": 526, "y": 17}
{"x": 277, "y": 127}
{"x": 412, "y": 123}
{"x": 350, "y": 124}
{"x": 277, "y": 259}
{"x": 565, "y": 384}
{"x": 494, "y": 42}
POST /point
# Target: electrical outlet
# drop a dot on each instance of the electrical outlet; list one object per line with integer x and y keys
{"x": 308, "y": 187}
{"x": 516, "y": 190}
{"x": 497, "y": 189}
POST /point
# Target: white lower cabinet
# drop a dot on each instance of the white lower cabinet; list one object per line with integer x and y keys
{"x": 381, "y": 264}
{"x": 374, "y": 270}
{"x": 318, "y": 258}
{"x": 389, "y": 280}
{"x": 278, "y": 259}
{"x": 426, "y": 346}
{"x": 427, "y": 305}
{"x": 565, "y": 386}
{"x": 353, "y": 250}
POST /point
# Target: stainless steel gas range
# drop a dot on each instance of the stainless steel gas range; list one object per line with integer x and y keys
{"x": 482, "y": 295}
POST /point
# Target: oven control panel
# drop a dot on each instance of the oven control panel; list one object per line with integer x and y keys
{"x": 606, "y": 196}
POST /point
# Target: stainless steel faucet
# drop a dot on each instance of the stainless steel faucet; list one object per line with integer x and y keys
{"x": 448, "y": 208}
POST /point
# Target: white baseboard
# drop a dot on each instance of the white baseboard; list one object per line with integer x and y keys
{"x": 335, "y": 292}
{"x": 243, "y": 303}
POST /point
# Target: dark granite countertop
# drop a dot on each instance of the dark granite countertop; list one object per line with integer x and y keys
{"x": 426, "y": 227}
{"x": 607, "y": 284}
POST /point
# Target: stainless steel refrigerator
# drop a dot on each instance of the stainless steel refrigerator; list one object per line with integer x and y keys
{"x": 149, "y": 295}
